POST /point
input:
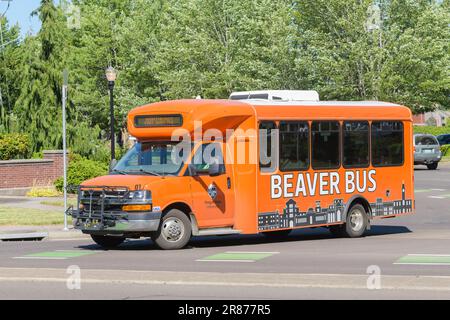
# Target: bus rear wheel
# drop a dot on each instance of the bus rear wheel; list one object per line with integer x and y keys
{"x": 107, "y": 242}
{"x": 174, "y": 231}
{"x": 355, "y": 224}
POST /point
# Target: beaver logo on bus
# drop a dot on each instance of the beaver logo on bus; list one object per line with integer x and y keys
{"x": 212, "y": 191}
{"x": 321, "y": 183}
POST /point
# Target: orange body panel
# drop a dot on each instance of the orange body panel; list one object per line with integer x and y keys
{"x": 245, "y": 192}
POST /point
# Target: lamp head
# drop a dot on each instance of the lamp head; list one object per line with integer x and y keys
{"x": 111, "y": 74}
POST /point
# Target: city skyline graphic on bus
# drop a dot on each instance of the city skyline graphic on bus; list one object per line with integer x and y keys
{"x": 292, "y": 217}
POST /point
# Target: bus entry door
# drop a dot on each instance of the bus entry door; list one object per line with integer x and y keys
{"x": 212, "y": 196}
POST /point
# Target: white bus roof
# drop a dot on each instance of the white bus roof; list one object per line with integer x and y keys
{"x": 276, "y": 95}
{"x": 257, "y": 102}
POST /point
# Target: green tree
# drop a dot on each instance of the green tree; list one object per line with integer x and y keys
{"x": 9, "y": 68}
{"x": 211, "y": 48}
{"x": 416, "y": 64}
{"x": 117, "y": 33}
{"x": 38, "y": 106}
{"x": 404, "y": 58}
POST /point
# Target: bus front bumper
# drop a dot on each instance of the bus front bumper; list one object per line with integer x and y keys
{"x": 117, "y": 222}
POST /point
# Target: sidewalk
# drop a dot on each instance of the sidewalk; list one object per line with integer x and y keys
{"x": 53, "y": 231}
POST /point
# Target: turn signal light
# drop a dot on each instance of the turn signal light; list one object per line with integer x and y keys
{"x": 137, "y": 207}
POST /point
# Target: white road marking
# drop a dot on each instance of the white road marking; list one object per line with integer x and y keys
{"x": 436, "y": 197}
{"x": 438, "y": 189}
{"x": 350, "y": 281}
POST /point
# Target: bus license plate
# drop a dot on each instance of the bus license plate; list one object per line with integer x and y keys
{"x": 91, "y": 223}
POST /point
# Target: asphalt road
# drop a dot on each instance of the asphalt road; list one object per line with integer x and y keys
{"x": 411, "y": 253}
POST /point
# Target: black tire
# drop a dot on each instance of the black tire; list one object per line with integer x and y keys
{"x": 277, "y": 234}
{"x": 356, "y": 222}
{"x": 107, "y": 242}
{"x": 432, "y": 166}
{"x": 174, "y": 231}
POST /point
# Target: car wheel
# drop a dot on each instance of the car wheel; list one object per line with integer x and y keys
{"x": 107, "y": 242}
{"x": 432, "y": 166}
{"x": 174, "y": 231}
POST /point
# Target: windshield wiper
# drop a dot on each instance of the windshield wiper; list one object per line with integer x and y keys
{"x": 119, "y": 171}
{"x": 150, "y": 172}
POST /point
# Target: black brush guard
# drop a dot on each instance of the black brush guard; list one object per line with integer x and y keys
{"x": 99, "y": 206}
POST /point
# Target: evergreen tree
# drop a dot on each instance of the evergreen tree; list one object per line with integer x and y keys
{"x": 9, "y": 68}
{"x": 38, "y": 107}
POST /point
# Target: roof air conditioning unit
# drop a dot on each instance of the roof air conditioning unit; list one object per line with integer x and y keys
{"x": 276, "y": 95}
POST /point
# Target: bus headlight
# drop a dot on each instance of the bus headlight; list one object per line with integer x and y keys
{"x": 140, "y": 195}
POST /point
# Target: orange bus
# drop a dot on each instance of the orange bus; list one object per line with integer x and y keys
{"x": 274, "y": 165}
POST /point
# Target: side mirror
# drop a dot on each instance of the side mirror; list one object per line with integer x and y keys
{"x": 214, "y": 169}
{"x": 112, "y": 164}
{"x": 191, "y": 170}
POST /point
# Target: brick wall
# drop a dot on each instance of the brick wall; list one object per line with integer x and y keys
{"x": 32, "y": 172}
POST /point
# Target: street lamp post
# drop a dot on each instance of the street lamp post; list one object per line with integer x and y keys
{"x": 111, "y": 77}
{"x": 64, "y": 99}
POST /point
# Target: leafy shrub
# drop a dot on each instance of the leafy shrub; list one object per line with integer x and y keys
{"x": 81, "y": 169}
{"x": 43, "y": 192}
{"x": 445, "y": 150}
{"x": 102, "y": 152}
{"x": 14, "y": 146}
{"x": 431, "y": 130}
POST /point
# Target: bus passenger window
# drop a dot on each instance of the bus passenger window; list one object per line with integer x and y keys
{"x": 266, "y": 129}
{"x": 325, "y": 144}
{"x": 387, "y": 143}
{"x": 294, "y": 145}
{"x": 356, "y": 144}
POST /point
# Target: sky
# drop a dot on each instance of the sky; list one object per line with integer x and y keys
{"x": 20, "y": 12}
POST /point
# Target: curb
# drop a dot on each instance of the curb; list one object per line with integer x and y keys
{"x": 39, "y": 233}
{"x": 26, "y": 236}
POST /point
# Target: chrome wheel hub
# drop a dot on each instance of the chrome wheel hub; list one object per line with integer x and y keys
{"x": 356, "y": 220}
{"x": 173, "y": 229}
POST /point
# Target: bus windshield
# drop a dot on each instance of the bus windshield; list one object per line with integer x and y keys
{"x": 152, "y": 158}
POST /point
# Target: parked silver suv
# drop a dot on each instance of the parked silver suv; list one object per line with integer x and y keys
{"x": 426, "y": 150}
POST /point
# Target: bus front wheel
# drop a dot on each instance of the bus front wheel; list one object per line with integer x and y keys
{"x": 355, "y": 224}
{"x": 174, "y": 232}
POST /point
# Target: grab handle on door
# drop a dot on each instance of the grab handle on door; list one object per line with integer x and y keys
{"x": 228, "y": 183}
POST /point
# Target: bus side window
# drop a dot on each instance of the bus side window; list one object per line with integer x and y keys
{"x": 325, "y": 144}
{"x": 356, "y": 144}
{"x": 209, "y": 152}
{"x": 387, "y": 143}
{"x": 294, "y": 145}
{"x": 267, "y": 130}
